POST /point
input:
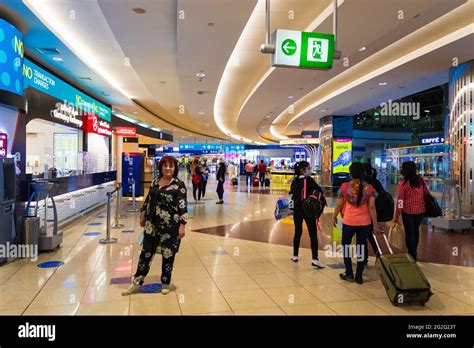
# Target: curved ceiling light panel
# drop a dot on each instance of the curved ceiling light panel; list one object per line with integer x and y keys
{"x": 364, "y": 71}
{"x": 58, "y": 24}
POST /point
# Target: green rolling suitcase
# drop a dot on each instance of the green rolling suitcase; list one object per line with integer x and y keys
{"x": 402, "y": 277}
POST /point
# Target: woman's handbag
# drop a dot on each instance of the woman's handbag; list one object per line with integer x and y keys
{"x": 396, "y": 236}
{"x": 431, "y": 204}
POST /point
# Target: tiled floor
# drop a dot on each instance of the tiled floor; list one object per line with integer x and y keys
{"x": 214, "y": 273}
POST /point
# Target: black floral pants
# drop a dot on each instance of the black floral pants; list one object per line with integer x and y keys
{"x": 150, "y": 244}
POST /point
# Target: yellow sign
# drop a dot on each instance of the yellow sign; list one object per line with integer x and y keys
{"x": 300, "y": 141}
{"x": 341, "y": 155}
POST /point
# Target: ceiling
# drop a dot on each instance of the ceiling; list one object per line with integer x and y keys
{"x": 145, "y": 65}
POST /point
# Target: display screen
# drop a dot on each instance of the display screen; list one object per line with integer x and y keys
{"x": 341, "y": 155}
{"x": 11, "y": 58}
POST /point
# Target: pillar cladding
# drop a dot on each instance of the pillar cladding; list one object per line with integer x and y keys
{"x": 460, "y": 130}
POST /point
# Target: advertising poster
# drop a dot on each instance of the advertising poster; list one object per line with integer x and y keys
{"x": 341, "y": 155}
{"x": 11, "y": 58}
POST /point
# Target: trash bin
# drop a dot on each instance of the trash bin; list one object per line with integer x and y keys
{"x": 29, "y": 227}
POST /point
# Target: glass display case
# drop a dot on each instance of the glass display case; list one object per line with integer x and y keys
{"x": 432, "y": 162}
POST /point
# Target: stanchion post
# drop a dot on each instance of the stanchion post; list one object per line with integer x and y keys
{"x": 117, "y": 223}
{"x": 134, "y": 203}
{"x": 108, "y": 240}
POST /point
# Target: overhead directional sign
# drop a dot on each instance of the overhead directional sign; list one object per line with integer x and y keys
{"x": 303, "y": 49}
{"x": 299, "y": 141}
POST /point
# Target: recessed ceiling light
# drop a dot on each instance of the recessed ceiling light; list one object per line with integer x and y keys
{"x": 201, "y": 74}
{"x": 382, "y": 83}
{"x": 139, "y": 10}
{"x": 263, "y": 127}
{"x": 290, "y": 97}
{"x": 300, "y": 124}
{"x": 135, "y": 112}
{"x": 201, "y": 112}
{"x": 323, "y": 110}
{"x": 57, "y": 59}
{"x": 268, "y": 116}
{"x": 363, "y": 48}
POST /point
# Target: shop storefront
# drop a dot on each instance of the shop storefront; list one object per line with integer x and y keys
{"x": 63, "y": 139}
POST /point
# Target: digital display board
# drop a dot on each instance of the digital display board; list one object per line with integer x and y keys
{"x": 341, "y": 155}
{"x": 11, "y": 58}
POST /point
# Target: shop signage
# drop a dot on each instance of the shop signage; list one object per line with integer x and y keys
{"x": 92, "y": 124}
{"x": 299, "y": 141}
{"x": 67, "y": 113}
{"x": 43, "y": 81}
{"x": 303, "y": 49}
{"x": 207, "y": 148}
{"x": 3, "y": 145}
{"x": 11, "y": 58}
{"x": 341, "y": 155}
{"x": 431, "y": 139}
{"x": 126, "y": 131}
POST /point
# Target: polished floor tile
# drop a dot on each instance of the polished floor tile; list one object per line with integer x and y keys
{"x": 359, "y": 307}
{"x": 195, "y": 285}
{"x": 332, "y": 293}
{"x": 413, "y": 309}
{"x": 57, "y": 297}
{"x": 309, "y": 309}
{"x": 70, "y": 309}
{"x": 235, "y": 283}
{"x": 225, "y": 270}
{"x": 447, "y": 305}
{"x": 248, "y": 300}
{"x": 121, "y": 307}
{"x": 291, "y": 296}
{"x": 464, "y": 296}
{"x": 261, "y": 311}
{"x": 156, "y": 305}
{"x": 273, "y": 280}
{"x": 192, "y": 304}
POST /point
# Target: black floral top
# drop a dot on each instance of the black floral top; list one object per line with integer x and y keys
{"x": 166, "y": 209}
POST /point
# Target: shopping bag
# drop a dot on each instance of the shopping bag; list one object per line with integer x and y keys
{"x": 396, "y": 236}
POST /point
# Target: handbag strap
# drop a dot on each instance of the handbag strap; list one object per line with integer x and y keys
{"x": 304, "y": 189}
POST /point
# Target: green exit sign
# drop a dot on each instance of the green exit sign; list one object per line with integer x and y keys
{"x": 303, "y": 49}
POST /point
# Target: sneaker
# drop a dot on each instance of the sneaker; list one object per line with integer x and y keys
{"x": 346, "y": 277}
{"x": 294, "y": 258}
{"x": 165, "y": 289}
{"x": 220, "y": 202}
{"x": 318, "y": 264}
{"x": 359, "y": 280}
{"x": 133, "y": 289}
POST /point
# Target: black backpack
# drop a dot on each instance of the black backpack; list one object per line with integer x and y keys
{"x": 385, "y": 206}
{"x": 313, "y": 205}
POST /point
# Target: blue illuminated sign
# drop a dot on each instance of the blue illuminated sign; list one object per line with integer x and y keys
{"x": 431, "y": 139}
{"x": 43, "y": 81}
{"x": 206, "y": 148}
{"x": 11, "y": 58}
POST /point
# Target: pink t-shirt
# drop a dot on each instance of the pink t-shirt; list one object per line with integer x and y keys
{"x": 356, "y": 215}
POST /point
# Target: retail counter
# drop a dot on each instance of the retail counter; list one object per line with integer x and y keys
{"x": 74, "y": 195}
{"x": 285, "y": 176}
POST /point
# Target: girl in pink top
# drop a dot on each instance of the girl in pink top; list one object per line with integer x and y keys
{"x": 357, "y": 198}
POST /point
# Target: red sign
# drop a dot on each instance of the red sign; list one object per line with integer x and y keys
{"x": 92, "y": 124}
{"x": 126, "y": 131}
{"x": 3, "y": 145}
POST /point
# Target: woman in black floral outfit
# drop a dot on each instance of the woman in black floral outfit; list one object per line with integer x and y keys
{"x": 164, "y": 214}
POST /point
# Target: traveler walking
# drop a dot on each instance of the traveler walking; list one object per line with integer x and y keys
{"x": 220, "y": 176}
{"x": 359, "y": 200}
{"x": 410, "y": 202}
{"x": 304, "y": 186}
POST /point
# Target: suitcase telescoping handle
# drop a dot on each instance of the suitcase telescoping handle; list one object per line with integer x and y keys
{"x": 386, "y": 242}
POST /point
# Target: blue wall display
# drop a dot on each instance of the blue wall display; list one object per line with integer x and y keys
{"x": 11, "y": 58}
{"x": 43, "y": 81}
{"x": 132, "y": 170}
{"x": 50, "y": 264}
